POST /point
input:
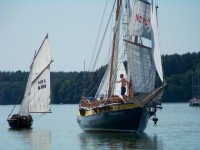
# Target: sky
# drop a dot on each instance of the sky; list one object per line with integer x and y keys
{"x": 72, "y": 26}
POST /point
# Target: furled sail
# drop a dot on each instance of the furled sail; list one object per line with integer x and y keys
{"x": 37, "y": 94}
{"x": 140, "y": 20}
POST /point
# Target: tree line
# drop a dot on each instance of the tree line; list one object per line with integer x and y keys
{"x": 68, "y": 87}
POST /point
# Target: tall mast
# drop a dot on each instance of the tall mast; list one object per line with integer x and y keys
{"x": 84, "y": 80}
{"x": 113, "y": 48}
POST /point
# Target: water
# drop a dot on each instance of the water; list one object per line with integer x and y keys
{"x": 178, "y": 128}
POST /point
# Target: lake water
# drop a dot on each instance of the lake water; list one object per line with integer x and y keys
{"x": 178, "y": 129}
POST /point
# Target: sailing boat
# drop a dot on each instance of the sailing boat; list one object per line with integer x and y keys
{"x": 37, "y": 93}
{"x": 195, "y": 100}
{"x": 108, "y": 112}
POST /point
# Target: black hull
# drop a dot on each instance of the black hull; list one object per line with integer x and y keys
{"x": 126, "y": 120}
{"x": 194, "y": 104}
{"x": 20, "y": 122}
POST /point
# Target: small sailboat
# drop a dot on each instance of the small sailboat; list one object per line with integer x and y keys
{"x": 109, "y": 111}
{"x": 195, "y": 100}
{"x": 37, "y": 93}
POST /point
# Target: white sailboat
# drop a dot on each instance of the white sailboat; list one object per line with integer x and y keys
{"x": 195, "y": 100}
{"x": 108, "y": 112}
{"x": 37, "y": 93}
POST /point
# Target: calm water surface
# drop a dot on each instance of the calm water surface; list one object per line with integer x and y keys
{"x": 178, "y": 129}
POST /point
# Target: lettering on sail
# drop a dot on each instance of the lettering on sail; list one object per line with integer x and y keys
{"x": 141, "y": 19}
{"x": 41, "y": 84}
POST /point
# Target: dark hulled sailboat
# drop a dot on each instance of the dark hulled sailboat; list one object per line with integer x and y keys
{"x": 37, "y": 93}
{"x": 108, "y": 111}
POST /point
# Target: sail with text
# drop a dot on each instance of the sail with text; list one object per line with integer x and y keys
{"x": 37, "y": 94}
{"x": 143, "y": 52}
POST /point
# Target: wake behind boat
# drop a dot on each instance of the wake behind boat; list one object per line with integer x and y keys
{"x": 109, "y": 111}
{"x": 37, "y": 94}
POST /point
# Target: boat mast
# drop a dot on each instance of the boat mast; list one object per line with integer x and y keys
{"x": 113, "y": 48}
{"x": 84, "y": 80}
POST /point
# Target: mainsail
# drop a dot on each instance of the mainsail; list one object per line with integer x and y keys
{"x": 143, "y": 60}
{"x": 140, "y": 68}
{"x": 37, "y": 93}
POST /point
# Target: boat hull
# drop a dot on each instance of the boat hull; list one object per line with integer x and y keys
{"x": 194, "y": 104}
{"x": 19, "y": 122}
{"x": 126, "y": 120}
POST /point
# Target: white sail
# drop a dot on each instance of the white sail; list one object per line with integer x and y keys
{"x": 116, "y": 52}
{"x": 103, "y": 88}
{"x": 141, "y": 68}
{"x": 143, "y": 61}
{"x": 140, "y": 20}
{"x": 37, "y": 94}
{"x": 155, "y": 42}
{"x": 40, "y": 93}
{"x": 24, "y": 110}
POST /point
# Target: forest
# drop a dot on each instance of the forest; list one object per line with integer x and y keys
{"x": 68, "y": 87}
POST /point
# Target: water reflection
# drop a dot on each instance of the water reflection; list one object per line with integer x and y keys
{"x": 33, "y": 139}
{"x": 119, "y": 141}
{"x": 195, "y": 107}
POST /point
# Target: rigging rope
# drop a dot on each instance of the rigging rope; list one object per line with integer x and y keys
{"x": 97, "y": 39}
{"x": 18, "y": 100}
{"x": 107, "y": 58}
{"x": 96, "y": 58}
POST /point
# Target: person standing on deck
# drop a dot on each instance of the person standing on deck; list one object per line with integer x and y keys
{"x": 124, "y": 83}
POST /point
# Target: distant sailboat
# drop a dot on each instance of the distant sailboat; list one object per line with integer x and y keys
{"x": 37, "y": 93}
{"x": 110, "y": 112}
{"x": 195, "y": 100}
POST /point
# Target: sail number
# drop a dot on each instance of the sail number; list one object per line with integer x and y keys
{"x": 41, "y": 84}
